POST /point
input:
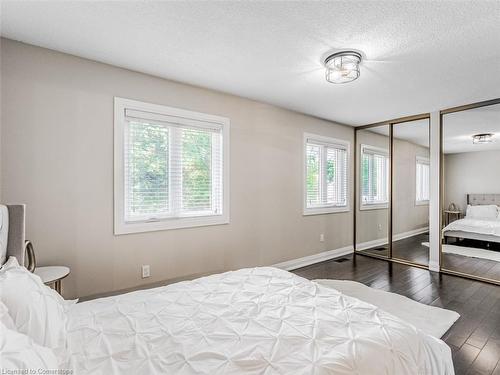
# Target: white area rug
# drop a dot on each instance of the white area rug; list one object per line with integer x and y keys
{"x": 469, "y": 252}
{"x": 432, "y": 320}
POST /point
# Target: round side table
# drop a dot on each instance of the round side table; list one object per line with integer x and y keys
{"x": 52, "y": 275}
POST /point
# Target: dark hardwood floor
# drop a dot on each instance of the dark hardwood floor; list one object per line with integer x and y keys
{"x": 474, "y": 339}
{"x": 473, "y": 266}
{"x": 409, "y": 249}
{"x": 412, "y": 250}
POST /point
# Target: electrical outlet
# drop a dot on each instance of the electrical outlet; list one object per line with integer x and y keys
{"x": 146, "y": 272}
{"x": 321, "y": 237}
{"x": 380, "y": 227}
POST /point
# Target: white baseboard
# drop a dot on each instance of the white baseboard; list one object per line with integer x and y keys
{"x": 396, "y": 237}
{"x": 371, "y": 244}
{"x": 293, "y": 264}
{"x": 410, "y": 233}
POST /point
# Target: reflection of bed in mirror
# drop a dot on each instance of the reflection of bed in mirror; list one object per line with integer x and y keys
{"x": 481, "y": 229}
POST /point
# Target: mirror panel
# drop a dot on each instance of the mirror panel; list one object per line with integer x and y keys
{"x": 372, "y": 192}
{"x": 411, "y": 191}
{"x": 471, "y": 192}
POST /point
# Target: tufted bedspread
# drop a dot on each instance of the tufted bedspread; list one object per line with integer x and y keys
{"x": 250, "y": 321}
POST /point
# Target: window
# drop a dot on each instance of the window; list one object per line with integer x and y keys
{"x": 422, "y": 181}
{"x": 374, "y": 177}
{"x": 171, "y": 168}
{"x": 326, "y": 175}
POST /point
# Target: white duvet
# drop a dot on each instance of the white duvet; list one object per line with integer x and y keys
{"x": 251, "y": 321}
{"x": 479, "y": 226}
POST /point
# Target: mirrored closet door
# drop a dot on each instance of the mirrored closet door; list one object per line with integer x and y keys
{"x": 373, "y": 190}
{"x": 471, "y": 190}
{"x": 411, "y": 191}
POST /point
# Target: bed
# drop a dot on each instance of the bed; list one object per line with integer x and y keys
{"x": 477, "y": 229}
{"x": 250, "y": 321}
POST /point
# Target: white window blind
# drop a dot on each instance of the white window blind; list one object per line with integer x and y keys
{"x": 172, "y": 168}
{"x": 422, "y": 180}
{"x": 326, "y": 174}
{"x": 374, "y": 176}
{"x": 146, "y": 171}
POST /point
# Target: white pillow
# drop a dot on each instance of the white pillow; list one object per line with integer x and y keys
{"x": 482, "y": 212}
{"x": 20, "y": 353}
{"x": 36, "y": 310}
{"x": 5, "y": 318}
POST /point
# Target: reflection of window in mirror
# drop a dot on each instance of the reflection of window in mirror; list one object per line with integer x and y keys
{"x": 422, "y": 187}
{"x": 374, "y": 177}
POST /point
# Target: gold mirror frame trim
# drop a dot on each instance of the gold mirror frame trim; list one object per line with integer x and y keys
{"x": 391, "y": 124}
{"x": 399, "y": 120}
{"x": 441, "y": 187}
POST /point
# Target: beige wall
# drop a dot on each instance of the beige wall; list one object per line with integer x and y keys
{"x": 57, "y": 157}
{"x": 470, "y": 173}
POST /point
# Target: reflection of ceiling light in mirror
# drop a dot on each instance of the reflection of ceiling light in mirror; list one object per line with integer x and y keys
{"x": 342, "y": 67}
{"x": 482, "y": 138}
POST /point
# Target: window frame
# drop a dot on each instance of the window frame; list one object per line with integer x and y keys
{"x": 183, "y": 116}
{"x": 426, "y": 161}
{"x": 379, "y": 205}
{"x": 329, "y": 141}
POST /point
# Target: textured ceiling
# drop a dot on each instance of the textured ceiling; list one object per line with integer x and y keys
{"x": 419, "y": 56}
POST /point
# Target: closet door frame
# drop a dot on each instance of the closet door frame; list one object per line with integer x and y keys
{"x": 396, "y": 124}
{"x": 441, "y": 186}
{"x": 391, "y": 124}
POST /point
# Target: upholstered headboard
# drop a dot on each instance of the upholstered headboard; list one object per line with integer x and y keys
{"x": 16, "y": 231}
{"x": 483, "y": 199}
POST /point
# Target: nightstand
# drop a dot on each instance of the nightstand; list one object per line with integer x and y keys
{"x": 52, "y": 275}
{"x": 448, "y": 213}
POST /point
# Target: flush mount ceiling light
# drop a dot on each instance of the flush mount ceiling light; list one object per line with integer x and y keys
{"x": 342, "y": 67}
{"x": 482, "y": 138}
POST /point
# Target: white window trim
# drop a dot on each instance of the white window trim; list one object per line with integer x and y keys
{"x": 372, "y": 206}
{"x": 330, "y": 209}
{"x": 422, "y": 160}
{"x": 123, "y": 227}
{"x": 422, "y": 203}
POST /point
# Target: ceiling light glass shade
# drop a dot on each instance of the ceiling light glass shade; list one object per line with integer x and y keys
{"x": 482, "y": 138}
{"x": 342, "y": 67}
